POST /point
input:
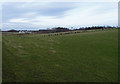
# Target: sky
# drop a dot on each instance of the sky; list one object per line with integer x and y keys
{"x": 43, "y": 15}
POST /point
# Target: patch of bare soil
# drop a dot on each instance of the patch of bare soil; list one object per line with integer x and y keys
{"x": 52, "y": 51}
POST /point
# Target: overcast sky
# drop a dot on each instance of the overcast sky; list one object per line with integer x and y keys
{"x": 36, "y": 15}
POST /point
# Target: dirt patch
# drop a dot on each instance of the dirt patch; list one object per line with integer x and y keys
{"x": 52, "y": 51}
{"x": 20, "y": 46}
{"x": 38, "y": 45}
{"x": 53, "y": 41}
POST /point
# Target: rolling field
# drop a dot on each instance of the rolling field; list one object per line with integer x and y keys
{"x": 81, "y": 57}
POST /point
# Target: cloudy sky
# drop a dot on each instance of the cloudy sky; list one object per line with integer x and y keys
{"x": 40, "y": 15}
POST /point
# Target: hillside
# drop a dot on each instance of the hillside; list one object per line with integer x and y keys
{"x": 81, "y": 57}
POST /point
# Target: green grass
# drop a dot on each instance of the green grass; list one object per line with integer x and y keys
{"x": 81, "y": 57}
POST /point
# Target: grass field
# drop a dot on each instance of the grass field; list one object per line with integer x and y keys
{"x": 81, "y": 57}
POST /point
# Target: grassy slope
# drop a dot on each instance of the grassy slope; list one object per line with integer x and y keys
{"x": 83, "y": 57}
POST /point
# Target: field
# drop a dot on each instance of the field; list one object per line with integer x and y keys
{"x": 81, "y": 57}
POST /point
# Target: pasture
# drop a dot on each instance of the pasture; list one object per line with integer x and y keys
{"x": 80, "y": 57}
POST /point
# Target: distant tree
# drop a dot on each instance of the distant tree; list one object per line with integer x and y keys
{"x": 60, "y": 29}
{"x": 12, "y": 30}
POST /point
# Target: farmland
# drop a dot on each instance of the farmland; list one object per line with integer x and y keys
{"x": 80, "y": 57}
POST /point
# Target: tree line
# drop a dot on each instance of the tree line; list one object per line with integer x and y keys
{"x": 63, "y": 29}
